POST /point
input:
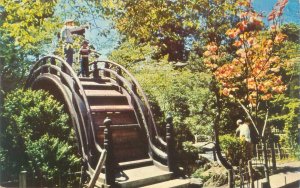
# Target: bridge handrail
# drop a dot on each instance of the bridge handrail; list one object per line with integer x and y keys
{"x": 143, "y": 96}
{"x": 71, "y": 73}
{"x": 156, "y": 150}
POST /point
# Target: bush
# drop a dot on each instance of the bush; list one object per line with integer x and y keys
{"x": 188, "y": 157}
{"x": 235, "y": 149}
{"x": 199, "y": 173}
{"x": 37, "y": 137}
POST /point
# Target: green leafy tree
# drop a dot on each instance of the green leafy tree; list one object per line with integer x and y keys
{"x": 129, "y": 54}
{"x": 171, "y": 26}
{"x": 185, "y": 95}
{"x": 37, "y": 137}
{"x": 28, "y": 22}
{"x": 285, "y": 107}
{"x": 285, "y": 111}
{"x": 181, "y": 92}
{"x": 15, "y": 64}
{"x": 25, "y": 28}
{"x": 291, "y": 30}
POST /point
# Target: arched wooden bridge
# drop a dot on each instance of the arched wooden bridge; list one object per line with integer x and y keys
{"x": 116, "y": 134}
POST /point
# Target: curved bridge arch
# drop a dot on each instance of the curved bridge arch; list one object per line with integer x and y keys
{"x": 81, "y": 100}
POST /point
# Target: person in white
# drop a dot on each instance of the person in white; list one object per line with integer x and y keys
{"x": 243, "y": 130}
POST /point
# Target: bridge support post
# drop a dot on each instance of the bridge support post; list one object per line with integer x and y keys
{"x": 119, "y": 71}
{"x": 96, "y": 71}
{"x": 52, "y": 61}
{"x": 22, "y": 179}
{"x": 106, "y": 66}
{"x": 109, "y": 163}
{"x": 170, "y": 144}
{"x": 45, "y": 70}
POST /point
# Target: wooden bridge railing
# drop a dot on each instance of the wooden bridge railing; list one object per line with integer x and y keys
{"x": 145, "y": 117}
{"x": 85, "y": 129}
{"x": 84, "y": 126}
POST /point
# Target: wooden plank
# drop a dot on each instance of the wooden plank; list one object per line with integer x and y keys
{"x": 122, "y": 117}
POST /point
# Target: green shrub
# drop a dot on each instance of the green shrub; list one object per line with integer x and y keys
{"x": 188, "y": 157}
{"x": 199, "y": 173}
{"x": 189, "y": 147}
{"x": 235, "y": 149}
{"x": 37, "y": 137}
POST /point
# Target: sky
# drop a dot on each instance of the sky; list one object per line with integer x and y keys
{"x": 291, "y": 12}
{"x": 100, "y": 34}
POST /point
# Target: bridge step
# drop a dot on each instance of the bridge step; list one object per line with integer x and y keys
{"x": 107, "y": 100}
{"x": 102, "y": 93}
{"x": 94, "y": 79}
{"x": 128, "y": 144}
{"x": 142, "y": 176}
{"x": 110, "y": 108}
{"x": 100, "y": 86}
{"x": 135, "y": 164}
{"x": 122, "y": 115}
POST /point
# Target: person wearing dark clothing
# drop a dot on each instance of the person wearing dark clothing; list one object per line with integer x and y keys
{"x": 69, "y": 51}
{"x": 84, "y": 53}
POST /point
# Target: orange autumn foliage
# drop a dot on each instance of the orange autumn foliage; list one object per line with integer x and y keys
{"x": 253, "y": 75}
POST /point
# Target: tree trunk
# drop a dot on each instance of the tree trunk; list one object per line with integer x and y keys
{"x": 273, "y": 154}
{"x": 223, "y": 161}
{"x": 216, "y": 126}
{"x": 266, "y": 168}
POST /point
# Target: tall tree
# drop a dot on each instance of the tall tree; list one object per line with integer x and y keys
{"x": 28, "y": 22}
{"x": 172, "y": 26}
{"x": 251, "y": 76}
{"x": 25, "y": 27}
{"x": 285, "y": 107}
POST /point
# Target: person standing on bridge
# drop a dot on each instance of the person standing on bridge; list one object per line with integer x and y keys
{"x": 66, "y": 35}
{"x": 84, "y": 53}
